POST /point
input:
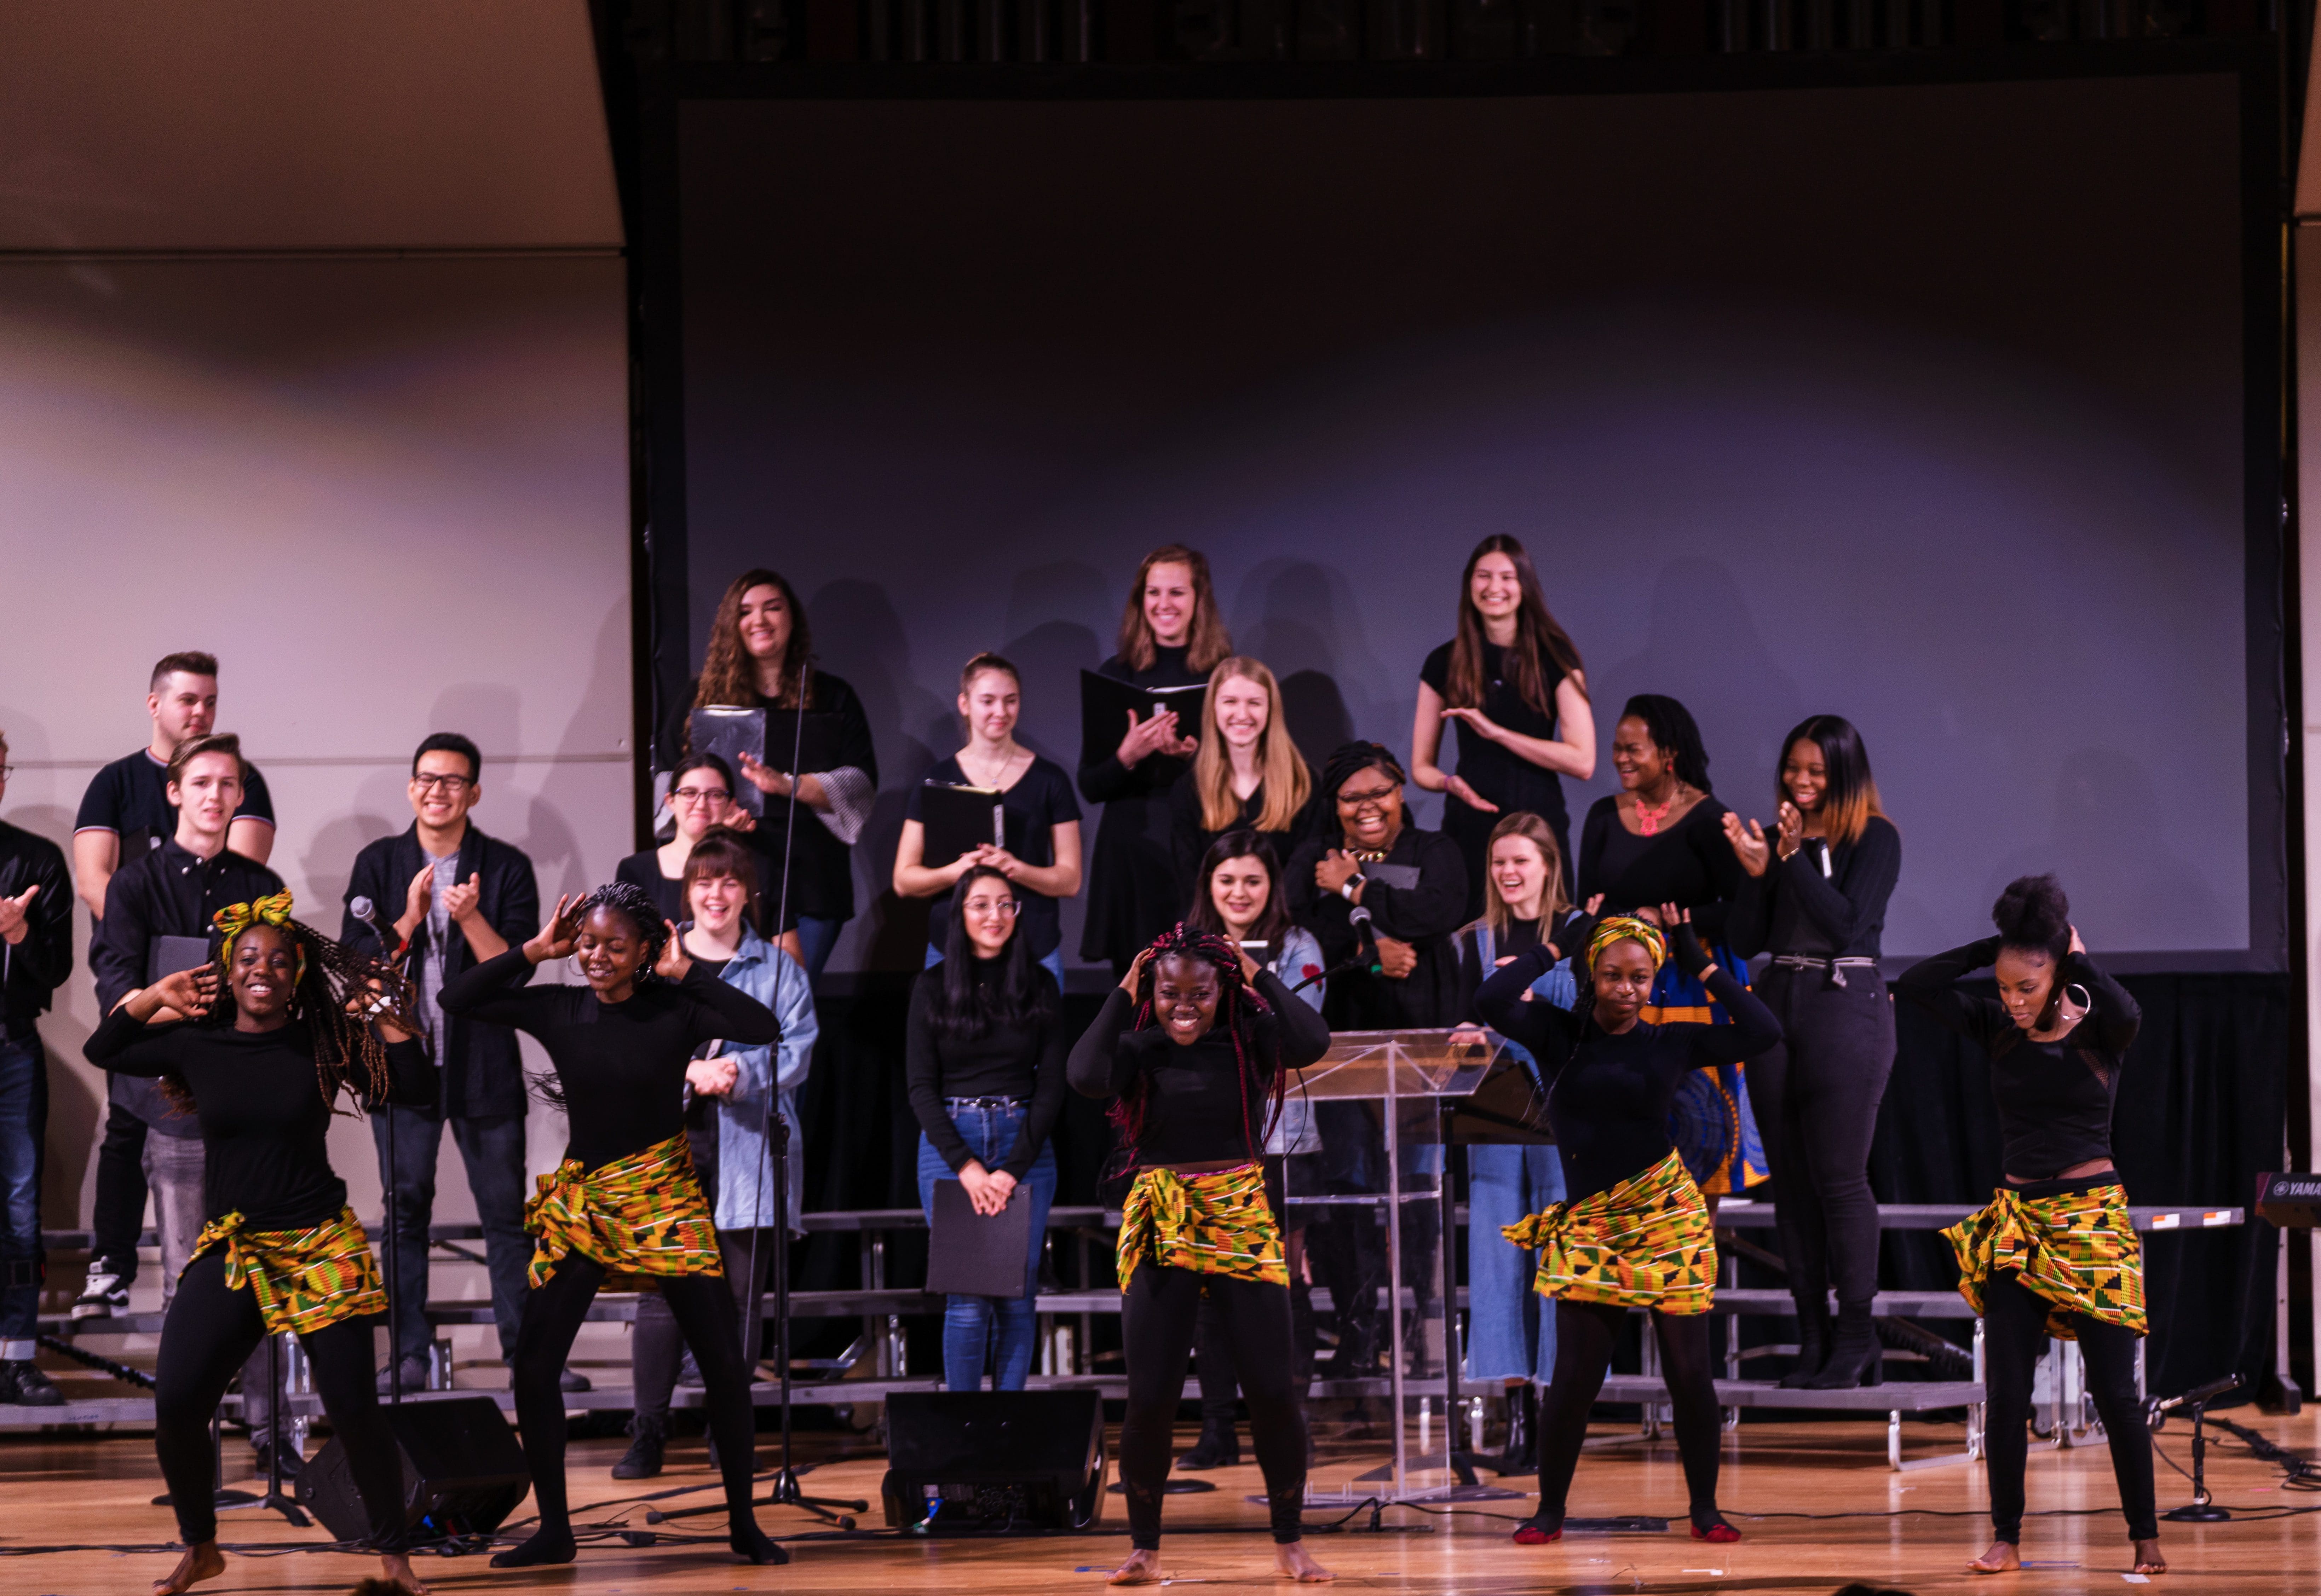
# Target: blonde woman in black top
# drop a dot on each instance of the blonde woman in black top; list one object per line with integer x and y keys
{"x": 1247, "y": 775}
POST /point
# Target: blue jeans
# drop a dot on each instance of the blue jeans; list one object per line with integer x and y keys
{"x": 492, "y": 1150}
{"x": 23, "y": 1134}
{"x": 999, "y": 1331}
{"x": 1510, "y": 1332}
{"x": 816, "y": 938}
{"x": 1051, "y": 961}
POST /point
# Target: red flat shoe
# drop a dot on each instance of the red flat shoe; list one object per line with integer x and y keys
{"x": 1534, "y": 1534}
{"x": 1720, "y": 1533}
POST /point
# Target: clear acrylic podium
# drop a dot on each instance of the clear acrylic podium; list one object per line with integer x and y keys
{"x": 1397, "y": 1165}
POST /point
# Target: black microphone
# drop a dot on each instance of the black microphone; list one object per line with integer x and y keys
{"x": 1365, "y": 941}
{"x": 365, "y": 911}
{"x": 2199, "y": 1393}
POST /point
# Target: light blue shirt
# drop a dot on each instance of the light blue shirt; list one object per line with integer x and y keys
{"x": 745, "y": 1187}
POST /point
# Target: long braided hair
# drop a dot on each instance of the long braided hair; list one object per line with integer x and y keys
{"x": 1244, "y": 1017}
{"x": 347, "y": 1053}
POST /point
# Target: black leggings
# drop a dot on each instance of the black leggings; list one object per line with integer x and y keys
{"x": 657, "y": 1343}
{"x": 1156, "y": 1326}
{"x": 1584, "y": 1334}
{"x": 1816, "y": 1094}
{"x": 703, "y": 1305}
{"x": 2015, "y": 1333}
{"x": 210, "y": 1332}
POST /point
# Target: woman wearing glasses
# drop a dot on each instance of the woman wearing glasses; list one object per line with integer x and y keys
{"x": 985, "y": 1070}
{"x": 701, "y": 797}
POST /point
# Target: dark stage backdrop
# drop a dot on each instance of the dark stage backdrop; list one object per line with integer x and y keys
{"x": 1919, "y": 404}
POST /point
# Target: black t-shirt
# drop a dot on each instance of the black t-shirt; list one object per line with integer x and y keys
{"x": 131, "y": 799}
{"x": 264, "y": 1124}
{"x": 1041, "y": 800}
{"x": 1499, "y": 773}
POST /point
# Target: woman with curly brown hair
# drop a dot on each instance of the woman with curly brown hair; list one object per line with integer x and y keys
{"x": 281, "y": 1249}
{"x": 1193, "y": 1047}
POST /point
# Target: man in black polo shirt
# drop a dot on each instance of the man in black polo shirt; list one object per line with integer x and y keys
{"x": 126, "y": 812}
{"x": 35, "y": 956}
{"x": 459, "y": 897}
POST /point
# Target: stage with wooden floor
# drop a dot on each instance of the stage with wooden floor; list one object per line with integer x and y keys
{"x": 1816, "y": 1502}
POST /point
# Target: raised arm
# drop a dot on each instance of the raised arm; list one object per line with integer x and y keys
{"x": 2115, "y": 1015}
{"x": 1932, "y": 985}
{"x": 1304, "y": 1035}
{"x": 720, "y": 1013}
{"x": 1541, "y": 1028}
{"x": 494, "y": 990}
{"x": 1753, "y": 1028}
{"x": 123, "y": 1043}
{"x": 1095, "y": 1067}
{"x": 1839, "y": 908}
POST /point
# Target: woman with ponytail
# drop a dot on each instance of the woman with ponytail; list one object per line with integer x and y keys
{"x": 305, "y": 1021}
{"x": 1636, "y": 1233}
{"x": 1195, "y": 1047}
{"x": 626, "y": 1199}
{"x": 2053, "y": 1254}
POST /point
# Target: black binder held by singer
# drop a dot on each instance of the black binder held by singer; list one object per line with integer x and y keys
{"x": 976, "y": 1255}
{"x": 958, "y": 820}
{"x": 1107, "y": 701}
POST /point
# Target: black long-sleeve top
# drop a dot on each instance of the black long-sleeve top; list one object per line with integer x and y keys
{"x": 2055, "y": 1098}
{"x": 1195, "y": 1111}
{"x": 1132, "y": 875}
{"x": 1019, "y": 1061}
{"x": 262, "y": 1120}
{"x": 621, "y": 1065}
{"x": 34, "y": 967}
{"x": 1427, "y": 916}
{"x": 1690, "y": 865}
{"x": 1609, "y": 1096}
{"x": 1796, "y": 908}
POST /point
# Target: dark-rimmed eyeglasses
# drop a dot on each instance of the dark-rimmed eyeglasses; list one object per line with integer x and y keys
{"x": 453, "y": 785}
{"x": 1376, "y": 798}
{"x": 701, "y": 795}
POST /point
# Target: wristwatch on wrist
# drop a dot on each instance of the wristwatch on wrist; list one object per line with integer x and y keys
{"x": 1346, "y": 887}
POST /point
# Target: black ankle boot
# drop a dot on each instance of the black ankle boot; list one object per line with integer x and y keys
{"x": 1522, "y": 1455}
{"x": 1813, "y": 1346}
{"x": 649, "y": 1436}
{"x": 1854, "y": 1357}
{"x": 1219, "y": 1446}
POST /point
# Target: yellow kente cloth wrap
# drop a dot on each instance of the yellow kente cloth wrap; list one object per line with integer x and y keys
{"x": 644, "y": 1214}
{"x": 302, "y": 1279}
{"x": 2077, "y": 1249}
{"x": 1216, "y": 1223}
{"x": 1644, "y": 1243}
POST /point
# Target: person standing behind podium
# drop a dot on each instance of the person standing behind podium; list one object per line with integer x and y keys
{"x": 985, "y": 1068}
{"x": 458, "y": 898}
{"x": 1511, "y": 678}
{"x": 760, "y": 656}
{"x": 1171, "y": 635}
{"x": 35, "y": 956}
{"x": 1041, "y": 820}
{"x": 1247, "y": 775}
{"x": 126, "y": 813}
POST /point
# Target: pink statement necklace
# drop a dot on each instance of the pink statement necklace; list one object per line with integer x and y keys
{"x": 1648, "y": 819}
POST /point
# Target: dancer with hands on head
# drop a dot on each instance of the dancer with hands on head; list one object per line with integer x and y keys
{"x": 244, "y": 1041}
{"x": 1636, "y": 1231}
{"x": 1193, "y": 1047}
{"x": 625, "y": 1200}
{"x": 2053, "y": 1254}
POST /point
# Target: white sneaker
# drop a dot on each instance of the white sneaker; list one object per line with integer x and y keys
{"x": 103, "y": 1294}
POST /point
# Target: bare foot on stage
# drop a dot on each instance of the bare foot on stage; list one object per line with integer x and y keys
{"x": 1142, "y": 1568}
{"x": 2148, "y": 1559}
{"x": 395, "y": 1569}
{"x": 204, "y": 1562}
{"x": 2002, "y": 1558}
{"x": 1294, "y": 1562}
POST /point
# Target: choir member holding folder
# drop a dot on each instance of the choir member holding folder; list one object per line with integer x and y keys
{"x": 1038, "y": 846}
{"x": 1136, "y": 746}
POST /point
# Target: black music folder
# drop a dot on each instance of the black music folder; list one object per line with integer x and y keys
{"x": 975, "y": 1255}
{"x": 1107, "y": 701}
{"x": 165, "y": 955}
{"x": 958, "y": 820}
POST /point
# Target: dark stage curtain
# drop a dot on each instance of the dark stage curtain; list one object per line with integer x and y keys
{"x": 2199, "y": 1116}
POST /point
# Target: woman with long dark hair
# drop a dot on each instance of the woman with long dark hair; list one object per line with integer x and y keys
{"x": 2054, "y": 1253}
{"x": 625, "y": 1200}
{"x": 1660, "y": 840}
{"x": 1194, "y": 1049}
{"x": 1247, "y": 773}
{"x": 1238, "y": 896}
{"x": 1815, "y": 898}
{"x": 1636, "y": 1233}
{"x": 760, "y": 656}
{"x": 984, "y": 1068}
{"x": 280, "y": 1250}
{"x": 700, "y": 800}
{"x": 1171, "y": 635}
{"x": 1511, "y": 678}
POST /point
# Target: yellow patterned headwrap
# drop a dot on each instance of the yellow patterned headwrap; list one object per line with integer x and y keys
{"x": 1625, "y": 928}
{"x": 235, "y": 919}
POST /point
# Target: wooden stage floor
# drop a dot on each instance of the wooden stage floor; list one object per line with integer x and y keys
{"x": 94, "y": 1492}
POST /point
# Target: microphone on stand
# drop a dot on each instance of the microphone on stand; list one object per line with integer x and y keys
{"x": 365, "y": 911}
{"x": 1365, "y": 946}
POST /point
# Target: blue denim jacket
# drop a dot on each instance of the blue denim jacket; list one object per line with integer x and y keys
{"x": 745, "y": 1188}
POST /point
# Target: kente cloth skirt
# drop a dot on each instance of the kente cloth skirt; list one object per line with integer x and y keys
{"x": 1216, "y": 1223}
{"x": 643, "y": 1215}
{"x": 2077, "y": 1249}
{"x": 1644, "y": 1243}
{"x": 302, "y": 1279}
